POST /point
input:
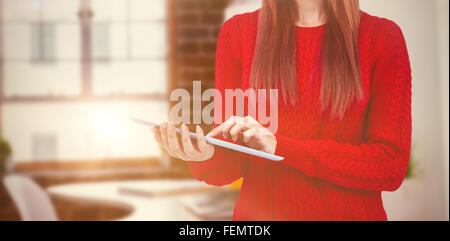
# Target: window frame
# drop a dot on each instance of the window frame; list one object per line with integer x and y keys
{"x": 39, "y": 42}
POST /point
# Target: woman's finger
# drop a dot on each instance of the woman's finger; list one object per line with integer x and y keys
{"x": 172, "y": 139}
{"x": 249, "y": 134}
{"x": 250, "y": 120}
{"x": 227, "y": 125}
{"x": 157, "y": 135}
{"x": 163, "y": 131}
{"x": 214, "y": 132}
{"x": 201, "y": 141}
{"x": 188, "y": 148}
{"x": 238, "y": 128}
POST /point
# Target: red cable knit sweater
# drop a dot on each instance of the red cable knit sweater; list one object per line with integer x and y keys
{"x": 333, "y": 169}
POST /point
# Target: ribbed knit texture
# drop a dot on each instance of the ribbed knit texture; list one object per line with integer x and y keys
{"x": 333, "y": 169}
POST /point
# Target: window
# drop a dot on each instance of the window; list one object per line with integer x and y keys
{"x": 137, "y": 39}
{"x": 77, "y": 107}
{"x": 45, "y": 146}
{"x": 100, "y": 42}
{"x": 42, "y": 42}
{"x": 35, "y": 33}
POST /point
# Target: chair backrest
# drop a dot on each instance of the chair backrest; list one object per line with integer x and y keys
{"x": 31, "y": 200}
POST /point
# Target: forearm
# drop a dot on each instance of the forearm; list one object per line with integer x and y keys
{"x": 223, "y": 168}
{"x": 370, "y": 166}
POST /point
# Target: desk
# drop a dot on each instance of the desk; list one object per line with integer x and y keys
{"x": 162, "y": 207}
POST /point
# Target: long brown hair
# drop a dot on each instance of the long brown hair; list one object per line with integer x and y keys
{"x": 275, "y": 58}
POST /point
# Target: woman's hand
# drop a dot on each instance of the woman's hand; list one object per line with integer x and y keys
{"x": 248, "y": 131}
{"x": 183, "y": 148}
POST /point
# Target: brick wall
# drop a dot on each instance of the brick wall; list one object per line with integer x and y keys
{"x": 196, "y": 27}
{"x": 198, "y": 23}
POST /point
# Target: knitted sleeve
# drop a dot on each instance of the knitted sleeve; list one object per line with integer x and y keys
{"x": 226, "y": 165}
{"x": 381, "y": 160}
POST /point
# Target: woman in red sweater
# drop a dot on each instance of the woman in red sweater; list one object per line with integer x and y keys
{"x": 344, "y": 121}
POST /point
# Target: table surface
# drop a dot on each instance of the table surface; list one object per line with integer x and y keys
{"x": 165, "y": 206}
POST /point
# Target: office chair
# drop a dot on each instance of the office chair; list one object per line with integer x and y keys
{"x": 31, "y": 200}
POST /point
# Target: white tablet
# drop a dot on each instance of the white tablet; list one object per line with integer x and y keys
{"x": 221, "y": 143}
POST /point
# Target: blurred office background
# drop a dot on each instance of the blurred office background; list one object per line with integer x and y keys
{"x": 72, "y": 71}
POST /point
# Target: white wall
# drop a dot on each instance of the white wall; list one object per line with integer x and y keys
{"x": 423, "y": 197}
{"x": 443, "y": 47}
{"x": 425, "y": 26}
